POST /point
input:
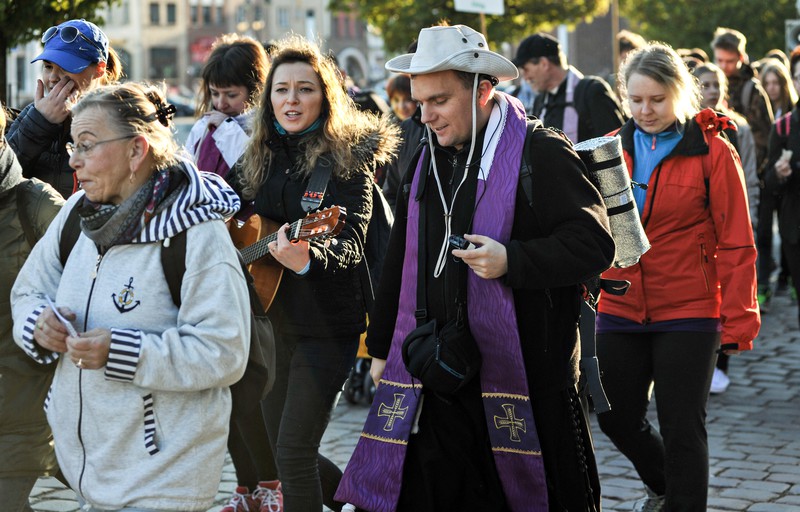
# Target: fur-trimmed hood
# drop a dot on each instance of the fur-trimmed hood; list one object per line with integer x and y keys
{"x": 381, "y": 143}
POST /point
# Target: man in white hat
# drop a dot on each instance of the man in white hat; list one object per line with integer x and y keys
{"x": 513, "y": 436}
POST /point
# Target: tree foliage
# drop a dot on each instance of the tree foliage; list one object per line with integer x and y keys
{"x": 399, "y": 21}
{"x": 689, "y": 23}
{"x": 24, "y": 20}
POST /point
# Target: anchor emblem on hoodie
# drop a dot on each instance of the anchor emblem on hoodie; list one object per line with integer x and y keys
{"x": 124, "y": 300}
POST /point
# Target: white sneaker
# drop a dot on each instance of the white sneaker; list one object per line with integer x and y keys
{"x": 349, "y": 508}
{"x": 650, "y": 503}
{"x": 719, "y": 382}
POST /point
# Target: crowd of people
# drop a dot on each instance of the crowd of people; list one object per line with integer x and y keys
{"x": 127, "y": 316}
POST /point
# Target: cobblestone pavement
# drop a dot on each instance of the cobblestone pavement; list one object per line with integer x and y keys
{"x": 753, "y": 428}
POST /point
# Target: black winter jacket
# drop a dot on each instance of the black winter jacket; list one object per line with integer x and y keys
{"x": 789, "y": 213}
{"x": 560, "y": 242}
{"x": 328, "y": 300}
{"x": 41, "y": 149}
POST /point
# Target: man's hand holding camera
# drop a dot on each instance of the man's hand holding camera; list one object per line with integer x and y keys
{"x": 488, "y": 259}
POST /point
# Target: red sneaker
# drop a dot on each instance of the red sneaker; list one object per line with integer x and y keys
{"x": 242, "y": 501}
{"x": 270, "y": 495}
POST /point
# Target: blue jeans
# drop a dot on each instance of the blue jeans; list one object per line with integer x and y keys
{"x": 673, "y": 461}
{"x": 309, "y": 377}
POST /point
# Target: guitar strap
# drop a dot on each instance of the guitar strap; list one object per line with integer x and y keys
{"x": 317, "y": 184}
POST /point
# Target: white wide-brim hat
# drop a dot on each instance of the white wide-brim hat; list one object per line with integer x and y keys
{"x": 457, "y": 48}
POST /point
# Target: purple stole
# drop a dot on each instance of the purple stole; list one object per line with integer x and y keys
{"x": 209, "y": 157}
{"x": 373, "y": 477}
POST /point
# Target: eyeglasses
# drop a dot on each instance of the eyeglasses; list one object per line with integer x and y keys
{"x": 69, "y": 35}
{"x": 84, "y": 148}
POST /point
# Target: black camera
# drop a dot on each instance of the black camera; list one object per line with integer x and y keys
{"x": 459, "y": 242}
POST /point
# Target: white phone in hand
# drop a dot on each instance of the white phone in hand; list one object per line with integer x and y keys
{"x": 66, "y": 323}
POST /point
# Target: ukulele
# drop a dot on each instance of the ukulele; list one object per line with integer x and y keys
{"x": 252, "y": 240}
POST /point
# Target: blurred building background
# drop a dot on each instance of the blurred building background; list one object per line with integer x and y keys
{"x": 170, "y": 40}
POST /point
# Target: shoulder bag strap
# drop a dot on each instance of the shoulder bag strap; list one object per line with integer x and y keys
{"x": 22, "y": 213}
{"x": 173, "y": 262}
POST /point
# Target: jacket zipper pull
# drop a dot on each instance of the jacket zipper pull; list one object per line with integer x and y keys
{"x": 653, "y": 145}
{"x": 97, "y": 266}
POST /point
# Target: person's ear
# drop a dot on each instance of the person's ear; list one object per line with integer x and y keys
{"x": 137, "y": 152}
{"x": 100, "y": 71}
{"x": 484, "y": 92}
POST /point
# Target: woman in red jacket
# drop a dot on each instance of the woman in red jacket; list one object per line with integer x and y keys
{"x": 692, "y": 294}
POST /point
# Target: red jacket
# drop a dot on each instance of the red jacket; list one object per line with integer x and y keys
{"x": 702, "y": 260}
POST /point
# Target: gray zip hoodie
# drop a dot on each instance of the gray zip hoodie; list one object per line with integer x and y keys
{"x": 149, "y": 430}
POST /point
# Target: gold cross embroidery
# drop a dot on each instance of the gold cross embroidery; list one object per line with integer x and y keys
{"x": 393, "y": 412}
{"x": 512, "y": 423}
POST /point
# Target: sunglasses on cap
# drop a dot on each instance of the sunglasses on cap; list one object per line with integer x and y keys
{"x": 69, "y": 35}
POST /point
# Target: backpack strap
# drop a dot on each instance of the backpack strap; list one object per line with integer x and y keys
{"x": 747, "y": 95}
{"x": 69, "y": 235}
{"x": 173, "y": 253}
{"x": 22, "y": 213}
{"x": 580, "y": 100}
{"x": 525, "y": 169}
{"x": 173, "y": 262}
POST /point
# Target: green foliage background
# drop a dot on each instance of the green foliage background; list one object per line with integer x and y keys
{"x": 691, "y": 23}
{"x": 399, "y": 21}
{"x": 681, "y": 23}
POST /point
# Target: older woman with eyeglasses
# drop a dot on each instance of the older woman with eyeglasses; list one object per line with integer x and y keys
{"x": 76, "y": 58}
{"x": 139, "y": 405}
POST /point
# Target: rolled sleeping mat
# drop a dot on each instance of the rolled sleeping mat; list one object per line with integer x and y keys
{"x": 607, "y": 170}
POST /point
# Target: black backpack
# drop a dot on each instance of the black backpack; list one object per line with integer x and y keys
{"x": 259, "y": 375}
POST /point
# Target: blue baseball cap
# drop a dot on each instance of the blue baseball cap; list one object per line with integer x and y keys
{"x": 74, "y": 45}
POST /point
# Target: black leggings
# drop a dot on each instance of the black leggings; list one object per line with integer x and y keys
{"x": 674, "y": 461}
{"x": 309, "y": 377}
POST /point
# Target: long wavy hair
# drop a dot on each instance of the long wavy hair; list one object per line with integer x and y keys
{"x": 342, "y": 123}
{"x": 659, "y": 62}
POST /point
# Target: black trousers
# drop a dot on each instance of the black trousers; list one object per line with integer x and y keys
{"x": 767, "y": 205}
{"x": 792, "y": 252}
{"x": 309, "y": 377}
{"x": 671, "y": 461}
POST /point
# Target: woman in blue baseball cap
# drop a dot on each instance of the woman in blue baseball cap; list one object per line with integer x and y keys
{"x": 76, "y": 58}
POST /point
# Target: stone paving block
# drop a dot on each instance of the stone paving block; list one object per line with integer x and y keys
{"x": 787, "y": 468}
{"x": 792, "y": 499}
{"x": 782, "y": 477}
{"x": 741, "y": 464}
{"x": 772, "y": 507}
{"x": 751, "y": 495}
{"x": 773, "y": 458}
{"x": 56, "y": 505}
{"x": 773, "y": 487}
{"x": 717, "y": 483}
{"x": 742, "y": 474}
{"x": 727, "y": 504}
